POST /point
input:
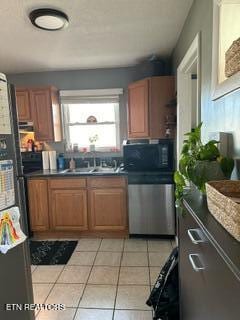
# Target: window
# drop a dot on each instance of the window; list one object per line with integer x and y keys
{"x": 91, "y": 119}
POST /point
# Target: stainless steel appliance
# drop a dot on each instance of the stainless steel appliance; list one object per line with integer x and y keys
{"x": 15, "y": 273}
{"x": 151, "y": 203}
{"x": 150, "y": 188}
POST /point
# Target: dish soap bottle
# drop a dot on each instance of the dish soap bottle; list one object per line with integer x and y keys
{"x": 61, "y": 161}
{"x": 72, "y": 164}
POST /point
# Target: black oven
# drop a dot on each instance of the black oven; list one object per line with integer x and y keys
{"x": 147, "y": 156}
{"x": 31, "y": 161}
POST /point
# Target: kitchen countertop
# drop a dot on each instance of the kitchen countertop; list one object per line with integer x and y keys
{"x": 65, "y": 174}
{"x": 228, "y": 246}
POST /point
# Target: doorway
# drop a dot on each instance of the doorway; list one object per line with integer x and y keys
{"x": 188, "y": 93}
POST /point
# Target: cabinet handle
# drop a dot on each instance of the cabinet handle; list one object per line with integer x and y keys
{"x": 193, "y": 256}
{"x": 191, "y": 236}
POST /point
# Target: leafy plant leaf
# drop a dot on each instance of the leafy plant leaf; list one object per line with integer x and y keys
{"x": 227, "y": 165}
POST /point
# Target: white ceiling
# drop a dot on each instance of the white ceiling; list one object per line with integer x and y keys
{"x": 101, "y": 33}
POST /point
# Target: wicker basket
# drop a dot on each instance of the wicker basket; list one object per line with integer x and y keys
{"x": 232, "y": 58}
{"x": 223, "y": 198}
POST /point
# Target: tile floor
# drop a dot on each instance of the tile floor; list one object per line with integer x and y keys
{"x": 105, "y": 279}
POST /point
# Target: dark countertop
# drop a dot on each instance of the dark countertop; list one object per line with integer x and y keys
{"x": 63, "y": 173}
{"x": 228, "y": 246}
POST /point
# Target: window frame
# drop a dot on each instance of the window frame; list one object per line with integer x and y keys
{"x": 78, "y": 97}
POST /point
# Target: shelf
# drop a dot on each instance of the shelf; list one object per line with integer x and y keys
{"x": 90, "y": 123}
{"x": 171, "y": 123}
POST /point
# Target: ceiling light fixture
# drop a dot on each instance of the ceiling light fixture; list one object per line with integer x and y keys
{"x": 48, "y": 19}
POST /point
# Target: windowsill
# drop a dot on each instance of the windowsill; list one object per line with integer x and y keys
{"x": 90, "y": 154}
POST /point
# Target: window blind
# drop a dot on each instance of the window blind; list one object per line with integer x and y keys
{"x": 90, "y": 96}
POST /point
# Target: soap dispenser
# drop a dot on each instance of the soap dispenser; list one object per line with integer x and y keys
{"x": 72, "y": 164}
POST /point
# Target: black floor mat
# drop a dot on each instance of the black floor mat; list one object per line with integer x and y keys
{"x": 51, "y": 252}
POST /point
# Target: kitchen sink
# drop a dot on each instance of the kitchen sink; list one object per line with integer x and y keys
{"x": 91, "y": 170}
{"x": 78, "y": 170}
{"x": 103, "y": 169}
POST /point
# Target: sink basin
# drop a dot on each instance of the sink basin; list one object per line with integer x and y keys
{"x": 91, "y": 170}
{"x": 106, "y": 170}
{"x": 78, "y": 170}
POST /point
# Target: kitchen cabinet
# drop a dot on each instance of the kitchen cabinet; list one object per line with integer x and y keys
{"x": 90, "y": 206}
{"x": 46, "y": 114}
{"x": 68, "y": 204}
{"x": 107, "y": 209}
{"x": 41, "y": 106}
{"x": 23, "y": 104}
{"x": 138, "y": 111}
{"x": 38, "y": 204}
{"x": 107, "y": 203}
{"x": 208, "y": 265}
{"x": 147, "y": 107}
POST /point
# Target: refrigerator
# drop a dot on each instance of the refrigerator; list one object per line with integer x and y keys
{"x": 15, "y": 268}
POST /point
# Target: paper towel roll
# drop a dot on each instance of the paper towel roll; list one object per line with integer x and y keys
{"x": 53, "y": 160}
{"x": 45, "y": 160}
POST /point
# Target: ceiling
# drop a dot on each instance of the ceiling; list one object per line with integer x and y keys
{"x": 101, "y": 33}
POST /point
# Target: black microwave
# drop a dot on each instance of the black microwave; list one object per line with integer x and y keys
{"x": 158, "y": 156}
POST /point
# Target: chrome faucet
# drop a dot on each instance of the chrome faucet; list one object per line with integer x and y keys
{"x": 88, "y": 163}
{"x": 115, "y": 164}
{"x": 93, "y": 153}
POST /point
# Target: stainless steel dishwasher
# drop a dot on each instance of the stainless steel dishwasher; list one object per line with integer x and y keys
{"x": 151, "y": 203}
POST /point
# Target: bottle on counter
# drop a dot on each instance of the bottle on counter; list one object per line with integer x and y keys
{"x": 72, "y": 164}
{"x": 30, "y": 145}
{"x": 61, "y": 161}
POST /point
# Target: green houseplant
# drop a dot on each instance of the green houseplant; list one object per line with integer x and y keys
{"x": 200, "y": 163}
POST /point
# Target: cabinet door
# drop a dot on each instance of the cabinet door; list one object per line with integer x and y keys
{"x": 23, "y": 105}
{"x": 138, "y": 110}
{"x": 108, "y": 210}
{"x": 68, "y": 209}
{"x": 161, "y": 92}
{"x": 38, "y": 204}
{"x": 42, "y": 114}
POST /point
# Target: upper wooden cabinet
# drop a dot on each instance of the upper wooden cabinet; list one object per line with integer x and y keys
{"x": 41, "y": 105}
{"x": 46, "y": 114}
{"x": 138, "y": 113}
{"x": 147, "y": 111}
{"x": 23, "y": 105}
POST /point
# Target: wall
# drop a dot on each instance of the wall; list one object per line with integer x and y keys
{"x": 224, "y": 113}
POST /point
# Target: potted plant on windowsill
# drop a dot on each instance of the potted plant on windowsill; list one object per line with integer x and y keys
{"x": 92, "y": 140}
{"x": 200, "y": 163}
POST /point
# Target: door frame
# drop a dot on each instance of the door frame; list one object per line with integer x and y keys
{"x": 184, "y": 92}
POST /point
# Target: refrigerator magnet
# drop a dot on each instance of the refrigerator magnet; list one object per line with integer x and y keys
{"x": 11, "y": 234}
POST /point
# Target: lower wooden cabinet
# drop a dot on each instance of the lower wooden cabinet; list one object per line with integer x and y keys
{"x": 108, "y": 209}
{"x": 68, "y": 209}
{"x": 38, "y": 204}
{"x": 95, "y": 204}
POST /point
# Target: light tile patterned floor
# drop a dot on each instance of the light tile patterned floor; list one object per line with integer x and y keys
{"x": 105, "y": 279}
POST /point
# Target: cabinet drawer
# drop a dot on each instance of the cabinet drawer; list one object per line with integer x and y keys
{"x": 109, "y": 182}
{"x": 211, "y": 292}
{"x": 67, "y": 183}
